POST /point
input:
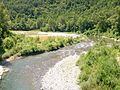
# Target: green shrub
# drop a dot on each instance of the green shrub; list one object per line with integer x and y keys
{"x": 21, "y": 45}
{"x": 99, "y": 69}
{"x": 1, "y": 53}
{"x": 8, "y": 43}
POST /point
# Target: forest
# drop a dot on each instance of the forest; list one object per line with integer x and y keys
{"x": 64, "y": 15}
{"x": 96, "y": 18}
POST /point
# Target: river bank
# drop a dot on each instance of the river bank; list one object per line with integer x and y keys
{"x": 27, "y": 73}
{"x": 23, "y": 43}
{"x": 100, "y": 68}
{"x": 63, "y": 76}
{"x": 26, "y": 46}
{"x": 3, "y": 70}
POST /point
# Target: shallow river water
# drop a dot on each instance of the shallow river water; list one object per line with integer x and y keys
{"x": 26, "y": 73}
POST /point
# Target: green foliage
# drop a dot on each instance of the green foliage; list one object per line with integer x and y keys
{"x": 100, "y": 69}
{"x": 8, "y": 43}
{"x": 3, "y": 26}
{"x": 86, "y": 25}
{"x": 21, "y": 45}
{"x": 64, "y": 15}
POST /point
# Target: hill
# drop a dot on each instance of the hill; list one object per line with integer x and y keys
{"x": 64, "y": 15}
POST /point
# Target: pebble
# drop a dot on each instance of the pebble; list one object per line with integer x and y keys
{"x": 63, "y": 76}
{"x": 3, "y": 70}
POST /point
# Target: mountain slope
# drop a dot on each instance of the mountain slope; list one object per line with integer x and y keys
{"x": 63, "y": 15}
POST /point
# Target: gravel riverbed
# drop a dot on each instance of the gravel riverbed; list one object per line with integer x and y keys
{"x": 63, "y": 76}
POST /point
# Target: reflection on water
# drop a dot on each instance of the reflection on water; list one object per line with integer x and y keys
{"x": 26, "y": 74}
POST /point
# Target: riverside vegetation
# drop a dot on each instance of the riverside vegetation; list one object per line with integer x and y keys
{"x": 100, "y": 68}
{"x": 21, "y": 45}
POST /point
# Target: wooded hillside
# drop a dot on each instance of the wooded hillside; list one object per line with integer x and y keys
{"x": 64, "y": 15}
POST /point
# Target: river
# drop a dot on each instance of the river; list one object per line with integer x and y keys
{"x": 26, "y": 73}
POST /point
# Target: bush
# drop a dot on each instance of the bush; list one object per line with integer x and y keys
{"x": 8, "y": 43}
{"x": 21, "y": 45}
{"x": 100, "y": 69}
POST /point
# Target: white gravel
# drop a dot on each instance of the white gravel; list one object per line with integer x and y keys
{"x": 3, "y": 70}
{"x": 38, "y": 33}
{"x": 63, "y": 76}
{"x": 58, "y": 34}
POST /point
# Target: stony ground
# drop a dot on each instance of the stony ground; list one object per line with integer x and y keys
{"x": 63, "y": 76}
{"x": 3, "y": 70}
{"x": 43, "y": 34}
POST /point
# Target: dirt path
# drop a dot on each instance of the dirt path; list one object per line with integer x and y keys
{"x": 41, "y": 34}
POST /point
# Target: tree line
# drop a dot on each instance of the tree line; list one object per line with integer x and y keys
{"x": 64, "y": 15}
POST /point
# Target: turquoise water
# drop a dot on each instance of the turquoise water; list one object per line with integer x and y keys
{"x": 26, "y": 73}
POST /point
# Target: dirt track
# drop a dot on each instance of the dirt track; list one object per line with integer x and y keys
{"x": 42, "y": 34}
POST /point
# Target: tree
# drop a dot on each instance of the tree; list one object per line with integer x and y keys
{"x": 86, "y": 25}
{"x": 118, "y": 23}
{"x": 3, "y": 25}
{"x": 3, "y": 22}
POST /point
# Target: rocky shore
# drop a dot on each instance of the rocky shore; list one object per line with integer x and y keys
{"x": 63, "y": 76}
{"x": 3, "y": 70}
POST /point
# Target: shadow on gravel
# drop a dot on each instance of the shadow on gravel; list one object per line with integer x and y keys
{"x": 5, "y": 63}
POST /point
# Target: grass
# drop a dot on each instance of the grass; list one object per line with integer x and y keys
{"x": 99, "y": 68}
{"x": 22, "y": 45}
